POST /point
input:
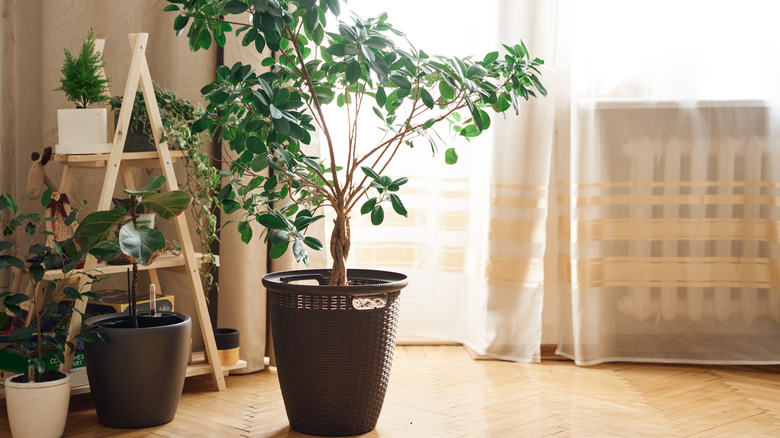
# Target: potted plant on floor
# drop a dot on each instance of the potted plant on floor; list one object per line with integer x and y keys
{"x": 83, "y": 130}
{"x": 136, "y": 378}
{"x": 33, "y": 343}
{"x": 334, "y": 341}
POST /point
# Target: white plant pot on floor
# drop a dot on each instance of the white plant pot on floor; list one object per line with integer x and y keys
{"x": 82, "y": 131}
{"x": 38, "y": 409}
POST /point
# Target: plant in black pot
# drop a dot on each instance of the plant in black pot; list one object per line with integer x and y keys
{"x": 136, "y": 376}
{"x": 32, "y": 336}
{"x": 334, "y": 341}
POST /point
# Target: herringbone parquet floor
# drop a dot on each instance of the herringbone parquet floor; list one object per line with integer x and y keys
{"x": 443, "y": 392}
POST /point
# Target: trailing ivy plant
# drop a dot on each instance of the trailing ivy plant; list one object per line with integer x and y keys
{"x": 265, "y": 118}
{"x": 203, "y": 180}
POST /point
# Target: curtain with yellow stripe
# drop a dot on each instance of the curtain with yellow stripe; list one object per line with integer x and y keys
{"x": 668, "y": 189}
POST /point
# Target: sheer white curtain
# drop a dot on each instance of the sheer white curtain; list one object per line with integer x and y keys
{"x": 630, "y": 215}
{"x": 669, "y": 184}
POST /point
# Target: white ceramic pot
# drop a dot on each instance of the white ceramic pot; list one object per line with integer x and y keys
{"x": 82, "y": 131}
{"x": 37, "y": 410}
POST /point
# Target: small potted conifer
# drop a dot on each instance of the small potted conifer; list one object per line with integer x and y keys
{"x": 83, "y": 130}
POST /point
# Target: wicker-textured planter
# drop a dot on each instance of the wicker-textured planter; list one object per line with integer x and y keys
{"x": 334, "y": 347}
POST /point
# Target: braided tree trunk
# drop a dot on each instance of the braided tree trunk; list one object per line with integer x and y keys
{"x": 340, "y": 241}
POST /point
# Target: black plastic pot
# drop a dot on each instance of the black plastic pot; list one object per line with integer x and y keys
{"x": 334, "y": 347}
{"x": 136, "y": 141}
{"x": 136, "y": 380}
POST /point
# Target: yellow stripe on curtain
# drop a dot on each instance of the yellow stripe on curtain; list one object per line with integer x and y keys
{"x": 739, "y": 272}
{"x": 675, "y": 229}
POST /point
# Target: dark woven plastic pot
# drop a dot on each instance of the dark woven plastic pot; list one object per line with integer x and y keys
{"x": 334, "y": 347}
{"x": 137, "y": 380}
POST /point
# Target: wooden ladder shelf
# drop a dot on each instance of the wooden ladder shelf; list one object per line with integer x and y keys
{"x": 118, "y": 163}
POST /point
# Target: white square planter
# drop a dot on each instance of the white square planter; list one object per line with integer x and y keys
{"x": 82, "y": 131}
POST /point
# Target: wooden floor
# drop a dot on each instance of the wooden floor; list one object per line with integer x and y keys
{"x": 443, "y": 392}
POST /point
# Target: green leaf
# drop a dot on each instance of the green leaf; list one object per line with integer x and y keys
{"x": 7, "y": 261}
{"x": 370, "y": 172}
{"x": 280, "y": 237}
{"x": 426, "y": 98}
{"x": 4, "y": 244}
{"x": 368, "y": 206}
{"x": 398, "y": 206}
{"x": 36, "y": 272}
{"x": 381, "y": 97}
{"x": 313, "y": 243}
{"x": 451, "y": 156}
{"x": 153, "y": 184}
{"x": 235, "y": 7}
{"x": 141, "y": 245}
{"x": 377, "y": 215}
{"x": 180, "y": 23}
{"x": 353, "y": 72}
{"x": 46, "y": 198}
{"x": 168, "y": 204}
{"x": 204, "y": 39}
{"x": 401, "y": 81}
{"x": 245, "y": 229}
{"x": 256, "y": 145}
{"x": 447, "y": 93}
{"x": 277, "y": 251}
{"x": 269, "y": 220}
{"x": 490, "y": 57}
{"x": 170, "y": 8}
{"x": 97, "y": 224}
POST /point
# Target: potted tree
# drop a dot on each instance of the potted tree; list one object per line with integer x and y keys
{"x": 334, "y": 340}
{"x": 83, "y": 130}
{"x": 137, "y": 376}
{"x": 34, "y": 341}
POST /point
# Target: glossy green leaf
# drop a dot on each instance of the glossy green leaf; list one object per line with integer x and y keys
{"x": 398, "y": 206}
{"x": 153, "y": 184}
{"x": 142, "y": 244}
{"x": 368, "y": 206}
{"x": 353, "y": 72}
{"x": 377, "y": 215}
{"x": 447, "y": 93}
{"x": 313, "y": 243}
{"x": 277, "y": 251}
{"x": 8, "y": 261}
{"x": 168, "y": 204}
{"x": 381, "y": 97}
{"x": 97, "y": 224}
{"x": 426, "y": 98}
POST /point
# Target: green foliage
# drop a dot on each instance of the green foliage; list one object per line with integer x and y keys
{"x": 37, "y": 341}
{"x": 140, "y": 244}
{"x": 266, "y": 118}
{"x": 81, "y": 80}
{"x": 182, "y": 131}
